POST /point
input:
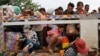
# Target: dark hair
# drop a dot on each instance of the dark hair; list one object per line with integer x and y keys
{"x": 61, "y": 26}
{"x": 98, "y": 8}
{"x": 94, "y": 10}
{"x": 56, "y": 9}
{"x": 30, "y": 13}
{"x": 60, "y": 8}
{"x": 42, "y": 9}
{"x": 71, "y": 4}
{"x": 86, "y": 5}
{"x": 79, "y": 3}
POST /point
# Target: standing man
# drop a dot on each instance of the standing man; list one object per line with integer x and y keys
{"x": 69, "y": 9}
{"x": 86, "y": 9}
{"x": 99, "y": 10}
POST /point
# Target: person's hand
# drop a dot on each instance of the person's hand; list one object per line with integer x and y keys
{"x": 25, "y": 49}
{"x": 73, "y": 41}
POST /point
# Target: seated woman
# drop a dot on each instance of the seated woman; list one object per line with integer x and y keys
{"x": 32, "y": 42}
{"x": 54, "y": 37}
{"x": 79, "y": 46}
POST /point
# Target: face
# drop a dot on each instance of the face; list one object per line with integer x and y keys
{"x": 80, "y": 6}
{"x": 43, "y": 12}
{"x": 87, "y": 8}
{"x": 70, "y": 9}
{"x": 99, "y": 9}
{"x": 60, "y": 11}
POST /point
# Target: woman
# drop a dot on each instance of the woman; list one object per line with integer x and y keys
{"x": 79, "y": 8}
{"x": 79, "y": 46}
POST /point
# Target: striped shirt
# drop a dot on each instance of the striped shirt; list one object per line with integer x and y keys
{"x": 70, "y": 52}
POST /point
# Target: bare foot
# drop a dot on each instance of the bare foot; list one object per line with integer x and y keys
{"x": 50, "y": 51}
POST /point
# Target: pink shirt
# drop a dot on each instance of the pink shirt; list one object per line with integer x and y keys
{"x": 52, "y": 32}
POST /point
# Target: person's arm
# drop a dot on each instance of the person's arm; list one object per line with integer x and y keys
{"x": 22, "y": 39}
{"x": 73, "y": 41}
{"x": 25, "y": 49}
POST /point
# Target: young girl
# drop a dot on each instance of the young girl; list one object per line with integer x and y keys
{"x": 54, "y": 37}
{"x": 79, "y": 8}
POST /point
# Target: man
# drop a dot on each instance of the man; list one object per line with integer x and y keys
{"x": 56, "y": 12}
{"x": 60, "y": 10}
{"x": 94, "y": 12}
{"x": 99, "y": 10}
{"x": 86, "y": 9}
{"x": 69, "y": 9}
{"x": 79, "y": 46}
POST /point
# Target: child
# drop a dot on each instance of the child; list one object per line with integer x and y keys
{"x": 32, "y": 42}
{"x": 80, "y": 8}
{"x": 54, "y": 37}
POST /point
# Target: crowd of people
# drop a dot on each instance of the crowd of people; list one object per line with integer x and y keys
{"x": 53, "y": 34}
{"x": 80, "y": 9}
{"x": 42, "y": 13}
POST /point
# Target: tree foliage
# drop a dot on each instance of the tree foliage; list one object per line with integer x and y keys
{"x": 28, "y": 4}
{"x": 2, "y": 2}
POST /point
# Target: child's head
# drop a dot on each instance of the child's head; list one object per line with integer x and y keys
{"x": 42, "y": 10}
{"x": 61, "y": 27}
{"x": 80, "y": 5}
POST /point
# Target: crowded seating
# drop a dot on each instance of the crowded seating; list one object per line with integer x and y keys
{"x": 49, "y": 37}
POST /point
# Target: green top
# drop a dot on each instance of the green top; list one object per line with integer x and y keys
{"x": 17, "y": 10}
